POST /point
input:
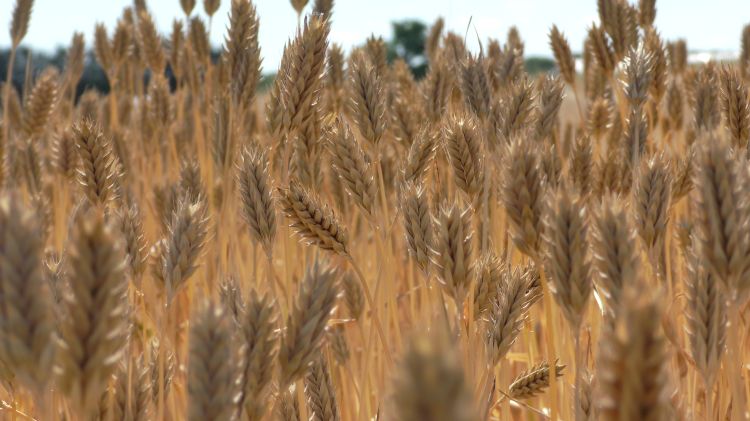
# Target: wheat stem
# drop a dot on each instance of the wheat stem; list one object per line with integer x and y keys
{"x": 549, "y": 335}
{"x": 373, "y": 309}
{"x": 734, "y": 358}
{"x": 6, "y": 101}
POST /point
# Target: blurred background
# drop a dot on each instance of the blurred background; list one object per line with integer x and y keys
{"x": 712, "y": 29}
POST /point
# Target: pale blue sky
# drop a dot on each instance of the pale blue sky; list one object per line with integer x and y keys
{"x": 712, "y": 24}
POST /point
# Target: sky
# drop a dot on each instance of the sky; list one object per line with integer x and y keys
{"x": 706, "y": 24}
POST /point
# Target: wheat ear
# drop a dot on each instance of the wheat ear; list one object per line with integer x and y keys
{"x": 431, "y": 384}
{"x": 367, "y": 98}
{"x": 131, "y": 225}
{"x": 566, "y": 255}
{"x": 287, "y": 406}
{"x": 212, "y": 376}
{"x": 188, "y": 230}
{"x": 706, "y": 318}
{"x": 307, "y": 322}
{"x": 350, "y": 164}
{"x": 522, "y": 195}
{"x": 631, "y": 369}
{"x": 452, "y": 252}
{"x": 300, "y": 76}
{"x": 420, "y": 156}
{"x": 258, "y": 324}
{"x": 40, "y": 104}
{"x": 534, "y": 381}
{"x": 258, "y": 203}
{"x": 475, "y": 85}
{"x": 464, "y": 146}
{"x": 735, "y": 105}
{"x": 508, "y": 314}
{"x": 321, "y": 395}
{"x": 242, "y": 53}
{"x": 97, "y": 172}
{"x": 613, "y": 250}
{"x": 651, "y": 201}
{"x": 28, "y": 320}
{"x": 489, "y": 280}
{"x": 563, "y": 55}
{"x": 94, "y": 334}
{"x": 314, "y": 222}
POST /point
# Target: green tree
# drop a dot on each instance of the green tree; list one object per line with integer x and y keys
{"x": 407, "y": 42}
{"x": 536, "y": 65}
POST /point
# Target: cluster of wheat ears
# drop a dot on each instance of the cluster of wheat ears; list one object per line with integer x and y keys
{"x": 355, "y": 244}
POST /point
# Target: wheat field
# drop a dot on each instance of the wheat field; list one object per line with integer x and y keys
{"x": 355, "y": 244}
